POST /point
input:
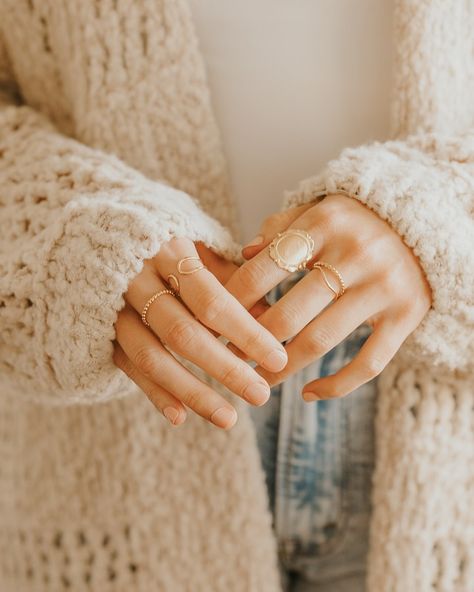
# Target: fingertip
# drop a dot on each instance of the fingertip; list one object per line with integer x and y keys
{"x": 250, "y": 252}
{"x": 275, "y": 361}
{"x": 309, "y": 396}
{"x": 224, "y": 417}
{"x": 174, "y": 416}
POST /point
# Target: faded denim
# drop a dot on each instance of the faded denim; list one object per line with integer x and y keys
{"x": 318, "y": 459}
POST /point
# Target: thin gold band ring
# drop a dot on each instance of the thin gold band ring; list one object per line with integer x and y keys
{"x": 322, "y": 266}
{"x": 150, "y": 302}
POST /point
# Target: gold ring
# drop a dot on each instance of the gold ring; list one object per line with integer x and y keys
{"x": 321, "y": 265}
{"x": 185, "y": 260}
{"x": 150, "y": 302}
{"x": 173, "y": 283}
{"x": 291, "y": 250}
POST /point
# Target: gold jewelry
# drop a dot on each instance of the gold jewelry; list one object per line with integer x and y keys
{"x": 181, "y": 262}
{"x": 173, "y": 282}
{"x": 150, "y": 302}
{"x": 321, "y": 265}
{"x": 291, "y": 250}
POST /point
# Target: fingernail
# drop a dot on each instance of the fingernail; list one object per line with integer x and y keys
{"x": 171, "y": 414}
{"x": 224, "y": 417}
{"x": 309, "y": 396}
{"x": 275, "y": 361}
{"x": 257, "y": 393}
{"x": 258, "y": 240}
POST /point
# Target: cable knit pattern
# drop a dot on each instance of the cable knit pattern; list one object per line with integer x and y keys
{"x": 108, "y": 147}
{"x": 108, "y": 497}
{"x": 77, "y": 227}
{"x": 424, "y": 187}
{"x": 422, "y": 183}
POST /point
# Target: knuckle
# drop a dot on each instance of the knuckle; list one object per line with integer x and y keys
{"x": 286, "y": 322}
{"x": 330, "y": 216}
{"x": 320, "y": 341}
{"x": 371, "y": 367}
{"x": 362, "y": 249}
{"x": 275, "y": 221}
{"x": 192, "y": 398}
{"x": 390, "y": 281}
{"x": 232, "y": 375}
{"x": 181, "y": 334}
{"x": 250, "y": 275}
{"x": 212, "y": 306}
{"x": 154, "y": 393}
{"x": 145, "y": 359}
{"x": 252, "y": 341}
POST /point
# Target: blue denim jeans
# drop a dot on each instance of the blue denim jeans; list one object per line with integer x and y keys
{"x": 318, "y": 459}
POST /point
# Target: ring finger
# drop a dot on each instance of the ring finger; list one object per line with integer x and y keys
{"x": 183, "y": 334}
{"x": 327, "y": 330}
{"x": 305, "y": 301}
{"x": 216, "y": 308}
{"x": 157, "y": 365}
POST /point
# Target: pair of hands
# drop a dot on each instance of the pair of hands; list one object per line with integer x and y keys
{"x": 386, "y": 289}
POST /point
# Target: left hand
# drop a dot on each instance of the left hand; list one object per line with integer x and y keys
{"x": 385, "y": 288}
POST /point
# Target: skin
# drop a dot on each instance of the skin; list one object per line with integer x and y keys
{"x": 386, "y": 289}
{"x": 189, "y": 326}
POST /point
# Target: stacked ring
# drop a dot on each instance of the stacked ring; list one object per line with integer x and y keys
{"x": 321, "y": 265}
{"x": 173, "y": 283}
{"x": 150, "y": 302}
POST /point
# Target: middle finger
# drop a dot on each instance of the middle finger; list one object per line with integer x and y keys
{"x": 218, "y": 310}
{"x": 183, "y": 334}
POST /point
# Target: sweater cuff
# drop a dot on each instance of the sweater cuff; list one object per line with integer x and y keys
{"x": 97, "y": 248}
{"x": 424, "y": 194}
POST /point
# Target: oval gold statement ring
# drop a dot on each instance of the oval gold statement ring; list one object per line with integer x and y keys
{"x": 150, "y": 302}
{"x": 322, "y": 266}
{"x": 291, "y": 250}
{"x": 189, "y": 265}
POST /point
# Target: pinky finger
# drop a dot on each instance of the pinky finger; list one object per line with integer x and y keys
{"x": 372, "y": 358}
{"x": 170, "y": 406}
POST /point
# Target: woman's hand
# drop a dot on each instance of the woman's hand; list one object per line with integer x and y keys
{"x": 185, "y": 325}
{"x": 385, "y": 288}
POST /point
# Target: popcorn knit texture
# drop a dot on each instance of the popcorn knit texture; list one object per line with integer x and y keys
{"x": 108, "y": 148}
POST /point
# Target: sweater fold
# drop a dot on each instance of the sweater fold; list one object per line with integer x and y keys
{"x": 77, "y": 225}
{"x": 423, "y": 187}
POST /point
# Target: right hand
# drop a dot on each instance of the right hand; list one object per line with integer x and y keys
{"x": 187, "y": 326}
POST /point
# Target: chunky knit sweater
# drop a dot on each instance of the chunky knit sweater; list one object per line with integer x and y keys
{"x": 108, "y": 147}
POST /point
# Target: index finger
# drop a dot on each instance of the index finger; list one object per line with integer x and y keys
{"x": 259, "y": 275}
{"x": 218, "y": 310}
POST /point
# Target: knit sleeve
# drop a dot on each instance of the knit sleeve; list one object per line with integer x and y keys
{"x": 424, "y": 188}
{"x": 76, "y": 225}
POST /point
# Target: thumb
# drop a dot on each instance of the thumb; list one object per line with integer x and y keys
{"x": 270, "y": 227}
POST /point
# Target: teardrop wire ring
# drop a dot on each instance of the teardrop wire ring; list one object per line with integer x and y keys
{"x": 181, "y": 262}
{"x": 173, "y": 283}
{"x": 322, "y": 266}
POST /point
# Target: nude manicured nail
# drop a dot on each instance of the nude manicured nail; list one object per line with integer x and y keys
{"x": 257, "y": 393}
{"x": 171, "y": 414}
{"x": 224, "y": 417}
{"x": 309, "y": 396}
{"x": 275, "y": 361}
{"x": 258, "y": 240}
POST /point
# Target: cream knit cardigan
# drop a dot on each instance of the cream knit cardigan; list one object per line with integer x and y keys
{"x": 108, "y": 147}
